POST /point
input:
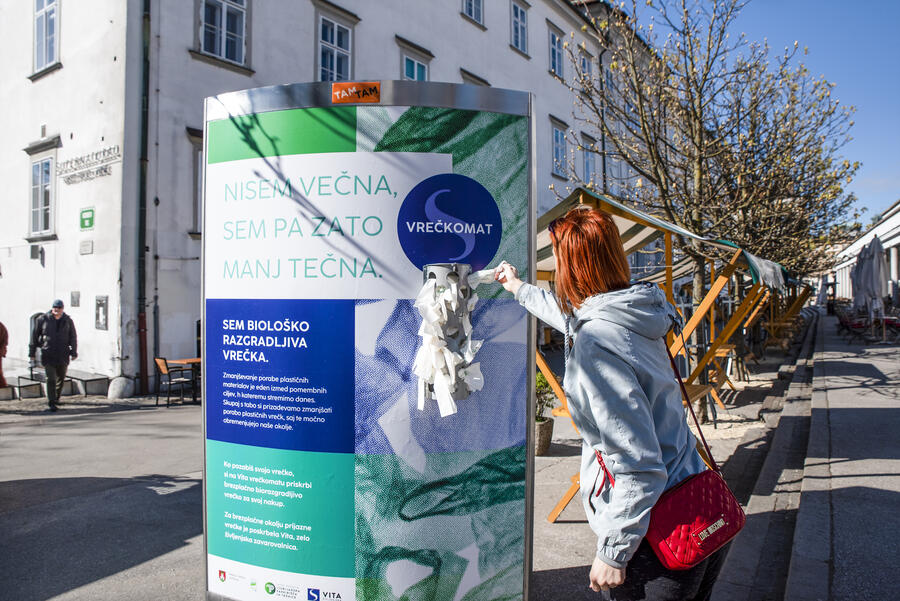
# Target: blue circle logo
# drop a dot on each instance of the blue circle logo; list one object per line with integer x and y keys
{"x": 449, "y": 218}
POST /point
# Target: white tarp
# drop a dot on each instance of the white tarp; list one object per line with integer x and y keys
{"x": 768, "y": 272}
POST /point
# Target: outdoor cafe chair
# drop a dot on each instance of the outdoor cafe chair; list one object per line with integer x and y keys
{"x": 169, "y": 377}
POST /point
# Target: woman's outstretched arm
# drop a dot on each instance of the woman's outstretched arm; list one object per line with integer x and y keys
{"x": 540, "y": 303}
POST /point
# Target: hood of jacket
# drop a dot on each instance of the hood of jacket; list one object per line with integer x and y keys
{"x": 642, "y": 308}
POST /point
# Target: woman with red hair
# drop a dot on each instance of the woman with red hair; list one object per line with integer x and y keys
{"x": 624, "y": 400}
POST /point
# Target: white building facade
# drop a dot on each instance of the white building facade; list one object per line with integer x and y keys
{"x": 888, "y": 231}
{"x": 103, "y": 123}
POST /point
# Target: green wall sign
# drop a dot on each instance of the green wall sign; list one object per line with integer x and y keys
{"x": 86, "y": 219}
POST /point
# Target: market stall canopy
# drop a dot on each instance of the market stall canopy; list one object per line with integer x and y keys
{"x": 636, "y": 228}
{"x": 762, "y": 271}
{"x": 680, "y": 269}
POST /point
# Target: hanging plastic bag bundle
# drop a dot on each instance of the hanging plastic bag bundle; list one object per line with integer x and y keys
{"x": 444, "y": 363}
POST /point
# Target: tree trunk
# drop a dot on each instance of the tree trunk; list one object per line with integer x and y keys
{"x": 699, "y": 289}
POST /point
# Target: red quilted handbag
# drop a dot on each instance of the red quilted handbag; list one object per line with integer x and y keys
{"x": 696, "y": 517}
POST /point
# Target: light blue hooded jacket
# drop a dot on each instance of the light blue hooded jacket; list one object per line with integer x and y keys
{"x": 626, "y": 403}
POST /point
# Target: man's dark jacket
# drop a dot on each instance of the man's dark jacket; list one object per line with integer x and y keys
{"x": 56, "y": 339}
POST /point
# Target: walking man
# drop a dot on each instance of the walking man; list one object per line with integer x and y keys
{"x": 4, "y": 340}
{"x": 54, "y": 333}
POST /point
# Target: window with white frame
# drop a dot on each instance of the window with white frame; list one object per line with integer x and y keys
{"x": 617, "y": 179}
{"x": 589, "y": 155}
{"x": 473, "y": 10}
{"x": 41, "y": 221}
{"x": 586, "y": 64}
{"x": 556, "y": 52}
{"x": 611, "y": 182}
{"x": 414, "y": 70}
{"x": 559, "y": 149}
{"x": 519, "y": 22}
{"x": 197, "y": 151}
{"x": 335, "y": 47}
{"x": 223, "y": 32}
{"x": 414, "y": 60}
{"x": 195, "y": 137}
{"x": 45, "y": 27}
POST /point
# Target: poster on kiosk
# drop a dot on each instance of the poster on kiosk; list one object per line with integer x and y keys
{"x": 367, "y": 383}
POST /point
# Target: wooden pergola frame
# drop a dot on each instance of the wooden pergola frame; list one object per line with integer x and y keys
{"x": 637, "y": 229}
{"x": 778, "y": 325}
{"x": 633, "y": 226}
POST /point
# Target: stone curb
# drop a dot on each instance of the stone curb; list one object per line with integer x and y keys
{"x": 809, "y": 575}
{"x": 737, "y": 580}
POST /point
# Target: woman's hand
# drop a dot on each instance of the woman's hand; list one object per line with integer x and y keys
{"x": 508, "y": 275}
{"x": 604, "y": 576}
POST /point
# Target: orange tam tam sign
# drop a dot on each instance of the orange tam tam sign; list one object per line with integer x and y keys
{"x": 346, "y": 92}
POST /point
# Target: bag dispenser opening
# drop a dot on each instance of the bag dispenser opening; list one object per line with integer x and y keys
{"x": 444, "y": 363}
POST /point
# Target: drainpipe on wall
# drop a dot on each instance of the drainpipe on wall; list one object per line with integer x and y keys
{"x": 156, "y": 277}
{"x": 142, "y": 202}
{"x": 602, "y": 134}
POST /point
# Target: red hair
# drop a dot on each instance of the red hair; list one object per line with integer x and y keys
{"x": 590, "y": 258}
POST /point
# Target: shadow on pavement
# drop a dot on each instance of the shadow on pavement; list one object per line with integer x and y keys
{"x": 563, "y": 583}
{"x": 564, "y": 448}
{"x": 767, "y": 536}
{"x": 35, "y": 410}
{"x": 69, "y": 532}
{"x": 865, "y": 548}
{"x": 856, "y": 370}
{"x": 747, "y": 458}
{"x": 885, "y": 389}
{"x": 849, "y": 426}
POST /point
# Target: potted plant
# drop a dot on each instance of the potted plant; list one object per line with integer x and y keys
{"x": 543, "y": 424}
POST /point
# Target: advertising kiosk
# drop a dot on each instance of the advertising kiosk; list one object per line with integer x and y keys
{"x": 333, "y": 469}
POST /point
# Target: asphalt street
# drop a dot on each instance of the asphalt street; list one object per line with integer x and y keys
{"x": 103, "y": 507}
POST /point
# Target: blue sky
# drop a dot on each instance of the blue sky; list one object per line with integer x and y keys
{"x": 854, "y": 45}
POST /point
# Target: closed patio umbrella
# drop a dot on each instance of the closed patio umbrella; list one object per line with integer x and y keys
{"x": 822, "y": 296}
{"x": 859, "y": 296}
{"x": 870, "y": 279}
{"x": 876, "y": 276}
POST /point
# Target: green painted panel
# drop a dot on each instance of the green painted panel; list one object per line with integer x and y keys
{"x": 256, "y": 517}
{"x": 461, "y": 500}
{"x": 279, "y": 133}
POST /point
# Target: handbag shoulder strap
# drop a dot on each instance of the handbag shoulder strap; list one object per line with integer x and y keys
{"x": 687, "y": 401}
